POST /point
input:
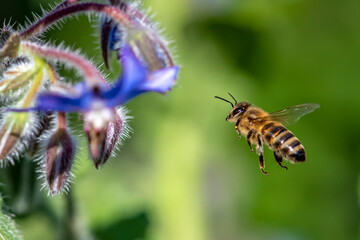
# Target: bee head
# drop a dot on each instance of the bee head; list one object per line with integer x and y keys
{"x": 237, "y": 111}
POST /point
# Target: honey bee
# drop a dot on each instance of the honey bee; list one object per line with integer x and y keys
{"x": 261, "y": 127}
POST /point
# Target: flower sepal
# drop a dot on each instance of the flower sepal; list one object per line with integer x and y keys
{"x": 58, "y": 159}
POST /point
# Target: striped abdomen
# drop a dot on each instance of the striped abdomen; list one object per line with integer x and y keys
{"x": 283, "y": 142}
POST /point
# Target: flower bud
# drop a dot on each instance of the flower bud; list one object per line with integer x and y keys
{"x": 147, "y": 48}
{"x": 16, "y": 77}
{"x": 58, "y": 160}
{"x": 10, "y": 46}
{"x": 14, "y": 131}
{"x": 141, "y": 35}
{"x": 103, "y": 131}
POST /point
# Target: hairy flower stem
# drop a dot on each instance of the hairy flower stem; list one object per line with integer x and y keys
{"x": 61, "y": 120}
{"x": 123, "y": 17}
{"x": 65, "y": 4}
{"x": 54, "y": 16}
{"x": 69, "y": 225}
{"x": 90, "y": 73}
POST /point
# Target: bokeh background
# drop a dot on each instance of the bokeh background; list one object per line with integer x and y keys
{"x": 184, "y": 175}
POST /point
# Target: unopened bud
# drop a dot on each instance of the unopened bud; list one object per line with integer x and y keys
{"x": 141, "y": 35}
{"x": 17, "y": 76}
{"x": 58, "y": 160}
{"x": 147, "y": 48}
{"x": 12, "y": 131}
{"x": 11, "y": 45}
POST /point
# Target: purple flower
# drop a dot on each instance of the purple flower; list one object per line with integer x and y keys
{"x": 135, "y": 80}
{"x": 31, "y": 87}
{"x": 97, "y": 102}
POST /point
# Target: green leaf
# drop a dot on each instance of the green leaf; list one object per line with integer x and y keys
{"x": 8, "y": 228}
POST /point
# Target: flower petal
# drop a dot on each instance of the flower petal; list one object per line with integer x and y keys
{"x": 134, "y": 74}
{"x": 161, "y": 80}
{"x": 115, "y": 38}
{"x": 55, "y": 102}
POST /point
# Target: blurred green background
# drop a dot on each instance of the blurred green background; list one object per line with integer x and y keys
{"x": 184, "y": 175}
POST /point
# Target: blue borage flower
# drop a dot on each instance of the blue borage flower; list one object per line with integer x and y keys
{"x": 135, "y": 80}
{"x": 97, "y": 102}
{"x": 147, "y": 67}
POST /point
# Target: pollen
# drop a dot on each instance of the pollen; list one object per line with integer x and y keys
{"x": 99, "y": 116}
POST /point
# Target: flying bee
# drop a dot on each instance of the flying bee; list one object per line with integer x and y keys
{"x": 261, "y": 127}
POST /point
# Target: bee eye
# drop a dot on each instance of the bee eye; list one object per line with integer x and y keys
{"x": 238, "y": 110}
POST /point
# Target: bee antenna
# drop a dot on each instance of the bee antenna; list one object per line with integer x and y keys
{"x": 233, "y": 98}
{"x": 225, "y": 100}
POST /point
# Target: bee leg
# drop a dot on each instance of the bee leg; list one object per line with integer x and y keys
{"x": 279, "y": 160}
{"x": 238, "y": 132}
{"x": 260, "y": 152}
{"x": 262, "y": 164}
{"x": 248, "y": 138}
{"x": 237, "y": 128}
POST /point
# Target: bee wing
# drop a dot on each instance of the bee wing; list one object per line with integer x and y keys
{"x": 291, "y": 114}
